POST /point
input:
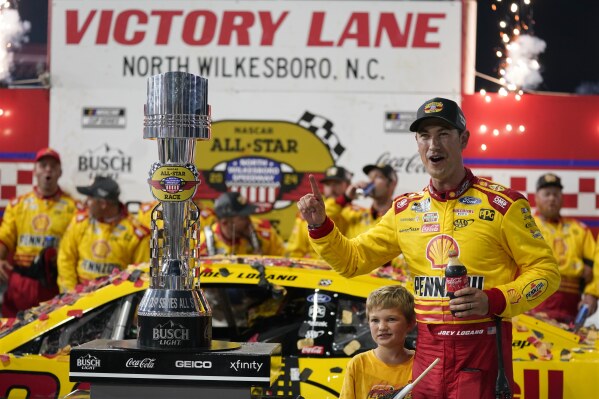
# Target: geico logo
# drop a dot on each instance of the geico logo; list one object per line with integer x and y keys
{"x": 193, "y": 364}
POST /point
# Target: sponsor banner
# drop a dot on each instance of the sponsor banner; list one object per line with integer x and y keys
{"x": 343, "y": 46}
{"x": 252, "y": 362}
{"x": 294, "y": 88}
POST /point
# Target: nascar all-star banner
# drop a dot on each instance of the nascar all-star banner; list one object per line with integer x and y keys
{"x": 294, "y": 86}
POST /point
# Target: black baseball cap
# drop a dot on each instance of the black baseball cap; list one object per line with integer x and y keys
{"x": 103, "y": 187}
{"x": 443, "y": 109}
{"x": 386, "y": 169}
{"x": 231, "y": 204}
{"x": 337, "y": 173}
{"x": 549, "y": 180}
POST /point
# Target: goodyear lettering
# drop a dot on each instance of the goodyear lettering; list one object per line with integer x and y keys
{"x": 434, "y": 287}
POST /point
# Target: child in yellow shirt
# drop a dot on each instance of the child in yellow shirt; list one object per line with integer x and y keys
{"x": 382, "y": 372}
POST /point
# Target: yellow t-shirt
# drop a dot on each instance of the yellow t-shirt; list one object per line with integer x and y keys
{"x": 367, "y": 377}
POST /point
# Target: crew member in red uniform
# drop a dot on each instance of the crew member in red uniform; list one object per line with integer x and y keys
{"x": 102, "y": 238}
{"x": 511, "y": 268}
{"x": 573, "y": 246}
{"x": 32, "y": 222}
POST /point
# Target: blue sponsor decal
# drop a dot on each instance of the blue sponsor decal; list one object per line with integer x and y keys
{"x": 470, "y": 200}
{"x": 320, "y": 298}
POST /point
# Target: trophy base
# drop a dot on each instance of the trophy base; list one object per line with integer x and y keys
{"x": 132, "y": 344}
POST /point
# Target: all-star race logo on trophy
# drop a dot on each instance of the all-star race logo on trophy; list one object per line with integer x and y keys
{"x": 174, "y": 314}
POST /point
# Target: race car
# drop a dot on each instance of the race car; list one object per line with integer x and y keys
{"x": 260, "y": 299}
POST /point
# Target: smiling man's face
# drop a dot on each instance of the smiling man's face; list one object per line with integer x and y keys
{"x": 440, "y": 147}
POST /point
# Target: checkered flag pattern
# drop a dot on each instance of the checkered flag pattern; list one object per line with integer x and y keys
{"x": 16, "y": 178}
{"x": 323, "y": 128}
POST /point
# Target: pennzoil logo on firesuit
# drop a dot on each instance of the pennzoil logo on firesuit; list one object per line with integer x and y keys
{"x": 434, "y": 286}
{"x": 535, "y": 289}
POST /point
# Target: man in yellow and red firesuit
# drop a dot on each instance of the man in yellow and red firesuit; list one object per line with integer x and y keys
{"x": 31, "y": 229}
{"x": 236, "y": 233}
{"x": 511, "y": 268}
{"x": 102, "y": 238}
{"x": 573, "y": 246}
{"x": 336, "y": 180}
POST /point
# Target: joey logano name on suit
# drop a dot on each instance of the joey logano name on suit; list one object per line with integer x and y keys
{"x": 434, "y": 286}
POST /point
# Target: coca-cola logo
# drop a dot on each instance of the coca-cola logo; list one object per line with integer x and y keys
{"x": 313, "y": 350}
{"x": 407, "y": 165}
{"x": 145, "y": 363}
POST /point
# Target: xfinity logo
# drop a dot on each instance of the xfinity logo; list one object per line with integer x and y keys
{"x": 239, "y": 365}
{"x": 88, "y": 362}
{"x": 193, "y": 364}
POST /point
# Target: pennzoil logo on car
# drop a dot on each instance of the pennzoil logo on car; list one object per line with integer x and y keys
{"x": 534, "y": 289}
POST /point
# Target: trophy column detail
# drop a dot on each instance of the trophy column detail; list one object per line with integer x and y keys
{"x": 174, "y": 314}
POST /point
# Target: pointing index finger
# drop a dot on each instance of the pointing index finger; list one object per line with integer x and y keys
{"x": 315, "y": 189}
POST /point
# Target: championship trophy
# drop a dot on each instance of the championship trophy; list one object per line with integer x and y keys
{"x": 174, "y": 314}
{"x": 174, "y": 354}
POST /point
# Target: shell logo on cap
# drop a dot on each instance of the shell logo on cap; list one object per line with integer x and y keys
{"x": 434, "y": 106}
{"x": 438, "y": 248}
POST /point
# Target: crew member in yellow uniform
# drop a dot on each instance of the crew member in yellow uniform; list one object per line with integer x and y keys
{"x": 335, "y": 182}
{"x": 102, "y": 238}
{"x": 383, "y": 179}
{"x": 236, "y": 233}
{"x": 511, "y": 269}
{"x": 573, "y": 246}
{"x": 207, "y": 216}
{"x": 32, "y": 222}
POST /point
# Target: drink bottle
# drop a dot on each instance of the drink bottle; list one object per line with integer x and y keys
{"x": 581, "y": 317}
{"x": 456, "y": 275}
{"x": 366, "y": 191}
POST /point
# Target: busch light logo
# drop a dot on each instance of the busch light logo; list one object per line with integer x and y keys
{"x": 88, "y": 362}
{"x": 319, "y": 298}
{"x": 170, "y": 334}
{"x": 145, "y": 363}
{"x": 105, "y": 161}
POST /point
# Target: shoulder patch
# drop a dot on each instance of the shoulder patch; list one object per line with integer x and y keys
{"x": 401, "y": 202}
